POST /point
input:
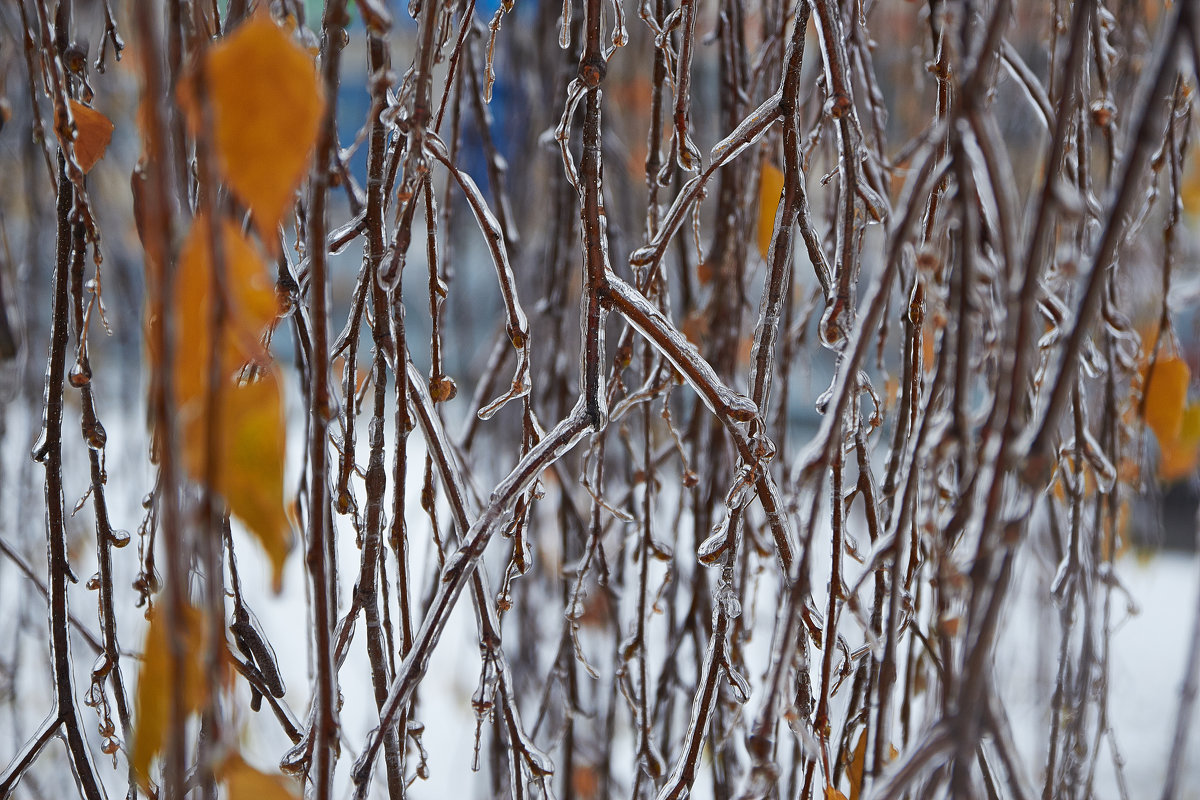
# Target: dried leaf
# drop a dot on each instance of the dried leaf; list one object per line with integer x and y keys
{"x": 250, "y": 300}
{"x": 250, "y": 443}
{"x": 267, "y": 104}
{"x": 248, "y": 473}
{"x": 833, "y": 794}
{"x": 244, "y": 782}
{"x": 93, "y": 132}
{"x": 1189, "y": 427}
{"x": 858, "y": 762}
{"x": 442, "y": 390}
{"x": 1166, "y": 394}
{"x": 152, "y": 708}
{"x": 251, "y": 473}
{"x": 1181, "y": 454}
{"x": 1189, "y": 189}
{"x": 769, "y": 189}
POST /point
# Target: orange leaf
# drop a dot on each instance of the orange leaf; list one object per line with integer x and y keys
{"x": 251, "y": 303}
{"x": 152, "y": 707}
{"x": 251, "y": 472}
{"x": 244, "y": 782}
{"x": 93, "y": 132}
{"x": 266, "y": 105}
{"x": 1189, "y": 427}
{"x": 769, "y": 189}
{"x": 249, "y": 458}
{"x": 1189, "y": 189}
{"x": 1180, "y": 455}
{"x": 1166, "y": 393}
{"x": 858, "y": 762}
{"x": 250, "y": 439}
{"x": 833, "y": 794}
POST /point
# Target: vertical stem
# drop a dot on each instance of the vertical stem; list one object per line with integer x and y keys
{"x": 319, "y": 547}
{"x": 49, "y": 453}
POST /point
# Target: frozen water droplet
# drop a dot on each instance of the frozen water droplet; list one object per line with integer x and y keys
{"x": 94, "y": 435}
{"x": 763, "y": 448}
{"x": 295, "y": 761}
{"x": 40, "y": 448}
{"x": 711, "y": 549}
{"x": 523, "y": 557}
{"x": 118, "y": 538}
{"x": 1092, "y": 361}
{"x": 689, "y": 156}
{"x": 822, "y": 402}
{"x": 93, "y": 583}
{"x": 80, "y": 374}
{"x": 1102, "y": 467}
{"x": 287, "y": 303}
{"x": 739, "y": 684}
{"x": 564, "y": 30}
{"x": 101, "y": 667}
{"x": 739, "y": 492}
{"x": 642, "y": 256}
{"x": 832, "y": 329}
{"x": 730, "y": 605}
{"x": 391, "y": 269}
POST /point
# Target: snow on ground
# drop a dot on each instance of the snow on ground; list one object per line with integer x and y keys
{"x": 1149, "y": 647}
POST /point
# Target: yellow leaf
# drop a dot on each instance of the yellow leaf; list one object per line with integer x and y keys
{"x": 249, "y": 458}
{"x": 250, "y": 304}
{"x": 1189, "y": 189}
{"x": 833, "y": 794}
{"x": 267, "y": 104}
{"x": 769, "y": 189}
{"x": 249, "y": 443}
{"x": 251, "y": 472}
{"x": 93, "y": 132}
{"x": 244, "y": 782}
{"x": 152, "y": 708}
{"x": 1166, "y": 393}
{"x": 1180, "y": 455}
{"x": 1189, "y": 427}
{"x": 858, "y": 762}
